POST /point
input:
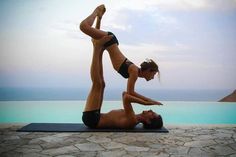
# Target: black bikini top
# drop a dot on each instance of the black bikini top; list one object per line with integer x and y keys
{"x": 123, "y": 70}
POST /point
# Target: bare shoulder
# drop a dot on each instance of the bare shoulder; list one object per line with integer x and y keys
{"x": 133, "y": 70}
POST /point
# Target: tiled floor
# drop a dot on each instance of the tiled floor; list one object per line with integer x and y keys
{"x": 181, "y": 141}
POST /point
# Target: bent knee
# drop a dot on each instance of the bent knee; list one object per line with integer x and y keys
{"x": 83, "y": 26}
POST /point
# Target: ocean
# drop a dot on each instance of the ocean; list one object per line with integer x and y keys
{"x": 65, "y": 105}
{"x": 172, "y": 112}
{"x": 47, "y": 94}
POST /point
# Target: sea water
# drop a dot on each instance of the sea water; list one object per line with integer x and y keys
{"x": 173, "y": 112}
{"x": 45, "y": 94}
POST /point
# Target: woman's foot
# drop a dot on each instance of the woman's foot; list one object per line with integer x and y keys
{"x": 100, "y": 10}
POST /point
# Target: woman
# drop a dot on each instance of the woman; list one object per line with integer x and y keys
{"x": 120, "y": 63}
{"x": 122, "y": 118}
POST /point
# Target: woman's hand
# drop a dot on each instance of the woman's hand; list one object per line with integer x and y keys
{"x": 153, "y": 102}
{"x": 157, "y": 103}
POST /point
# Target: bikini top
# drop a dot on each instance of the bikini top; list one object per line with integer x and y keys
{"x": 123, "y": 70}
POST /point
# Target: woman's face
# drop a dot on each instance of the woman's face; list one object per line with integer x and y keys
{"x": 149, "y": 75}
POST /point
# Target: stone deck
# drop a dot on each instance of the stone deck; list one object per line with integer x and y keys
{"x": 181, "y": 141}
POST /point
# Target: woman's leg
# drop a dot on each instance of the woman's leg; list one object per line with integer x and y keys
{"x": 86, "y": 24}
{"x": 115, "y": 54}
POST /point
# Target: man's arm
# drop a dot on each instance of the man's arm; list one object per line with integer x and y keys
{"x": 128, "y": 99}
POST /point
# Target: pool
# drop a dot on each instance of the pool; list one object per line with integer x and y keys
{"x": 173, "y": 112}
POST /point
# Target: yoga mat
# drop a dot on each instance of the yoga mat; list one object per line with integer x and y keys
{"x": 72, "y": 127}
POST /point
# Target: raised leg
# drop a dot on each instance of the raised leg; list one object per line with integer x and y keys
{"x": 86, "y": 24}
{"x": 95, "y": 97}
{"x": 98, "y": 24}
{"x": 102, "y": 79}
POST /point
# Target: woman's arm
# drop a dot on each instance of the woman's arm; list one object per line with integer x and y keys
{"x": 132, "y": 99}
{"x": 131, "y": 85}
{"x": 150, "y": 101}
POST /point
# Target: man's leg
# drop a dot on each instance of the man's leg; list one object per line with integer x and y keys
{"x": 102, "y": 78}
{"x": 95, "y": 98}
{"x": 100, "y": 46}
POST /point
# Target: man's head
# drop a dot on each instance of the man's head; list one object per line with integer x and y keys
{"x": 151, "y": 120}
{"x": 149, "y": 69}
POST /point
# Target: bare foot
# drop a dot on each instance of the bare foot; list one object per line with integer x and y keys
{"x": 100, "y": 10}
{"x": 100, "y": 42}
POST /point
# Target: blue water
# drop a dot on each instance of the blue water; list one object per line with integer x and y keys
{"x": 39, "y": 94}
{"x": 173, "y": 112}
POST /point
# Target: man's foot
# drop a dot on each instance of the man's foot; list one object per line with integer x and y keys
{"x": 100, "y": 10}
{"x": 99, "y": 44}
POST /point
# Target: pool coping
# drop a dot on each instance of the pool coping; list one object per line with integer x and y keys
{"x": 7, "y": 125}
{"x": 182, "y": 140}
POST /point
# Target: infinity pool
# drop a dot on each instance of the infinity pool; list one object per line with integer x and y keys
{"x": 173, "y": 112}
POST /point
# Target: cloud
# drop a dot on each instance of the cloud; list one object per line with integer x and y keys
{"x": 186, "y": 38}
{"x": 140, "y": 26}
{"x": 177, "y": 5}
{"x": 213, "y": 5}
{"x": 159, "y": 52}
{"x": 117, "y": 26}
{"x": 67, "y": 29}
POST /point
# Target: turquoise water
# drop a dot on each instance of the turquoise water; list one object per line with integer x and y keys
{"x": 173, "y": 112}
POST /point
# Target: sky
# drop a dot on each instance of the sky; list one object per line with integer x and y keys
{"x": 193, "y": 42}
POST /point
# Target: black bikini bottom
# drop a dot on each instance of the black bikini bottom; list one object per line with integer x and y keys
{"x": 112, "y": 41}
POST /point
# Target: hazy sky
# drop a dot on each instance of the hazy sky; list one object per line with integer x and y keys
{"x": 193, "y": 42}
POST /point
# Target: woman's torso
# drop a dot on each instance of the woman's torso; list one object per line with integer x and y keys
{"x": 116, "y": 56}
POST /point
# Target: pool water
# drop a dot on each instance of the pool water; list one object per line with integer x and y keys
{"x": 173, "y": 112}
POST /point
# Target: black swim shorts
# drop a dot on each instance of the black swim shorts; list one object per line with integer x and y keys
{"x": 91, "y": 118}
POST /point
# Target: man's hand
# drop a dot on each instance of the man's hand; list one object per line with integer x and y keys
{"x": 98, "y": 44}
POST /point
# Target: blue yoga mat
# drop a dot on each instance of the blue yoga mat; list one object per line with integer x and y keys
{"x": 72, "y": 127}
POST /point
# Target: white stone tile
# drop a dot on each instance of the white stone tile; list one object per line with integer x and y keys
{"x": 98, "y": 139}
{"x": 60, "y": 150}
{"x": 136, "y": 149}
{"x": 199, "y": 143}
{"x": 89, "y": 147}
{"x": 113, "y": 145}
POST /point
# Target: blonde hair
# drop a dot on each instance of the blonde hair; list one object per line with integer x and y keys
{"x": 149, "y": 64}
